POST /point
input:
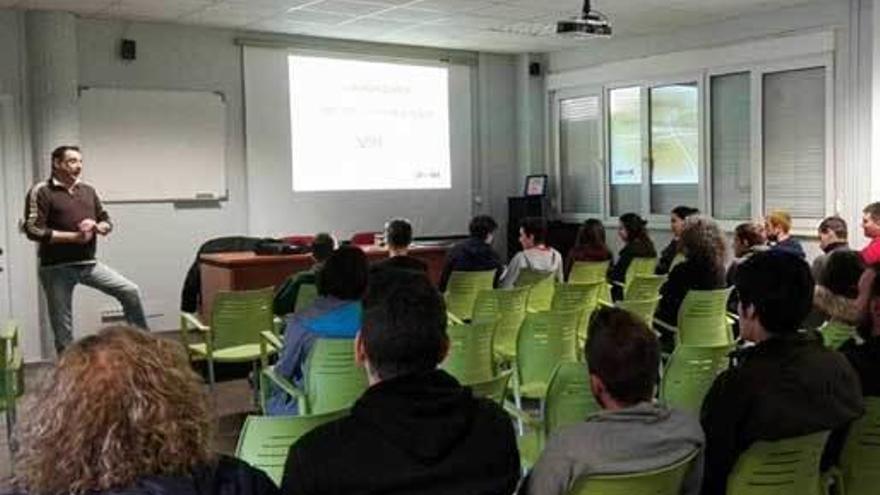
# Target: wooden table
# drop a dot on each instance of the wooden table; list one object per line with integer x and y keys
{"x": 243, "y": 270}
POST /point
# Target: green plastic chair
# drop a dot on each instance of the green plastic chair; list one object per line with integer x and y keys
{"x": 332, "y": 380}
{"x": 306, "y": 296}
{"x": 580, "y": 297}
{"x": 569, "y": 401}
{"x": 702, "y": 319}
{"x": 835, "y": 333}
{"x": 541, "y": 285}
{"x": 860, "y": 459}
{"x": 782, "y": 467}
{"x": 644, "y": 308}
{"x": 640, "y": 267}
{"x": 663, "y": 481}
{"x": 506, "y": 308}
{"x": 643, "y": 287}
{"x": 545, "y": 340}
{"x": 689, "y": 375}
{"x": 462, "y": 290}
{"x": 11, "y": 377}
{"x": 238, "y": 318}
{"x": 470, "y": 358}
{"x": 588, "y": 272}
{"x": 494, "y": 388}
{"x": 264, "y": 441}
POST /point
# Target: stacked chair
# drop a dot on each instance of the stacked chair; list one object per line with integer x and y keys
{"x": 462, "y": 290}
{"x": 664, "y": 481}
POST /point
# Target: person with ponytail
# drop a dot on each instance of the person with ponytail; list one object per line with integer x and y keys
{"x": 634, "y": 235}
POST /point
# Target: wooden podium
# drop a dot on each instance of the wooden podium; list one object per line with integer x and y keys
{"x": 245, "y": 270}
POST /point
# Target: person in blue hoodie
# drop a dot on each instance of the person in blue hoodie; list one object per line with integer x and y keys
{"x": 475, "y": 253}
{"x": 335, "y": 314}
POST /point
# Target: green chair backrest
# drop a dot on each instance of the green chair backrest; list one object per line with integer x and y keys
{"x": 265, "y": 440}
{"x": 581, "y": 297}
{"x": 860, "y": 459}
{"x": 643, "y": 308}
{"x": 541, "y": 285}
{"x": 588, "y": 272}
{"x": 702, "y": 318}
{"x": 238, "y": 317}
{"x": 494, "y": 388}
{"x": 664, "y": 481}
{"x": 569, "y": 399}
{"x": 689, "y": 374}
{"x": 640, "y": 267}
{"x": 470, "y": 353}
{"x": 11, "y": 376}
{"x": 332, "y": 378}
{"x": 789, "y": 466}
{"x": 835, "y": 333}
{"x": 507, "y": 309}
{"x": 642, "y": 287}
{"x": 462, "y": 290}
{"x": 545, "y": 340}
{"x": 306, "y": 296}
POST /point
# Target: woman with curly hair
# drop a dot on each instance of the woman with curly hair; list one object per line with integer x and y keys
{"x": 123, "y": 412}
{"x": 704, "y": 247}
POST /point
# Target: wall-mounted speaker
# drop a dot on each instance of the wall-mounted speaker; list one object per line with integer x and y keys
{"x": 535, "y": 69}
{"x": 128, "y": 50}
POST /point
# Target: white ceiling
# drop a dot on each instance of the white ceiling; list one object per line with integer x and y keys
{"x": 486, "y": 25}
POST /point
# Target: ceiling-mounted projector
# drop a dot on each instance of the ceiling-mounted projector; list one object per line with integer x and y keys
{"x": 589, "y": 23}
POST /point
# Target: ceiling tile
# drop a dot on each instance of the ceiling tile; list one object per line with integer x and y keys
{"x": 347, "y": 7}
{"x": 315, "y": 17}
{"x": 404, "y": 14}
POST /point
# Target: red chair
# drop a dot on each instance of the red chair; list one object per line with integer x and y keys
{"x": 364, "y": 238}
{"x": 299, "y": 240}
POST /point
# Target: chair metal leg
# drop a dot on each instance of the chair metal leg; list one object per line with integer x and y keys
{"x": 211, "y": 373}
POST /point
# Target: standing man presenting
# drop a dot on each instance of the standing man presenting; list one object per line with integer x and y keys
{"x": 64, "y": 215}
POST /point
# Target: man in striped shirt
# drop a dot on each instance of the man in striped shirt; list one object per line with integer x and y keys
{"x": 64, "y": 215}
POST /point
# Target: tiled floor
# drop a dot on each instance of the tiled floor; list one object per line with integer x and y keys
{"x": 231, "y": 400}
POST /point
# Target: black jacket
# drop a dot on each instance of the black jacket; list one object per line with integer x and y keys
{"x": 787, "y": 386}
{"x": 691, "y": 274}
{"x": 471, "y": 255}
{"x": 865, "y": 358}
{"x": 664, "y": 264}
{"x": 790, "y": 245}
{"x": 636, "y": 249}
{"x": 417, "y": 434}
{"x": 191, "y": 293}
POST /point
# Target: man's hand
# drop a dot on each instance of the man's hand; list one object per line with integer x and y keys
{"x": 87, "y": 225}
{"x": 85, "y": 237}
{"x": 103, "y": 228}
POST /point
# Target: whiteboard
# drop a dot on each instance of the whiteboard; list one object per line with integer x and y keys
{"x": 149, "y": 145}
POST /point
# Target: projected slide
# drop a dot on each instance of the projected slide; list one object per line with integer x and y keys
{"x": 363, "y": 125}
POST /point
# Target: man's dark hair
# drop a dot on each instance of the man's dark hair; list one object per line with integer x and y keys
{"x": 406, "y": 331}
{"x": 842, "y": 272}
{"x": 624, "y": 353}
{"x": 750, "y": 234}
{"x": 873, "y": 210}
{"x": 779, "y": 286}
{"x": 58, "y": 153}
{"x": 536, "y": 227}
{"x": 398, "y": 233}
{"x": 834, "y": 224}
{"x": 344, "y": 274}
{"x": 322, "y": 246}
{"x": 683, "y": 212}
{"x": 481, "y": 226}
{"x": 591, "y": 234}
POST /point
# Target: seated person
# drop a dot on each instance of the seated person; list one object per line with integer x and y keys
{"x": 704, "y": 248}
{"x": 837, "y": 290}
{"x": 123, "y": 412}
{"x": 589, "y": 245}
{"x": 748, "y": 239}
{"x": 536, "y": 254}
{"x": 474, "y": 254}
{"x": 676, "y": 223}
{"x": 633, "y": 433}
{"x": 864, "y": 356}
{"x": 415, "y": 429}
{"x": 286, "y": 295}
{"x": 636, "y": 244}
{"x": 385, "y": 273}
{"x": 335, "y": 314}
{"x": 777, "y": 226}
{"x": 871, "y": 230}
{"x": 787, "y": 384}
{"x": 832, "y": 237}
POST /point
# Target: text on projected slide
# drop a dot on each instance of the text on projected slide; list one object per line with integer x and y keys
{"x": 362, "y": 125}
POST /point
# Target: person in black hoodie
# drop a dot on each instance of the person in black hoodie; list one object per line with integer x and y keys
{"x": 415, "y": 430}
{"x": 385, "y": 274}
{"x": 786, "y": 385}
{"x": 634, "y": 234}
{"x": 865, "y": 355}
{"x": 476, "y": 253}
{"x": 676, "y": 224}
{"x": 123, "y": 412}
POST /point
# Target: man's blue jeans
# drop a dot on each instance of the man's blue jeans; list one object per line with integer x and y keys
{"x": 59, "y": 281}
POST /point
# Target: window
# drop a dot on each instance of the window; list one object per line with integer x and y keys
{"x": 580, "y": 154}
{"x": 675, "y": 146}
{"x": 625, "y": 138}
{"x": 731, "y": 146}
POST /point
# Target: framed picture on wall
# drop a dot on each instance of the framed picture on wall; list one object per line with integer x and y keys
{"x": 536, "y": 185}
